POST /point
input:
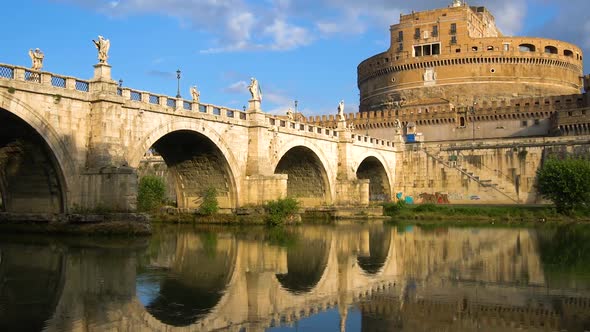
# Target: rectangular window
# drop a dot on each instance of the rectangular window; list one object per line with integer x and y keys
{"x": 400, "y": 36}
{"x": 400, "y": 47}
{"x": 417, "y": 50}
{"x": 453, "y": 28}
{"x": 417, "y": 33}
{"x": 435, "y": 31}
{"x": 435, "y": 49}
{"x": 427, "y": 50}
{"x": 524, "y": 123}
{"x": 506, "y": 47}
{"x": 453, "y": 40}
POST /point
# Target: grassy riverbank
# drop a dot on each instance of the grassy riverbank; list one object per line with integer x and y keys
{"x": 430, "y": 214}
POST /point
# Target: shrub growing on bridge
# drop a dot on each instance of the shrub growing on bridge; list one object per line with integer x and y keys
{"x": 278, "y": 211}
{"x": 566, "y": 183}
{"x": 210, "y": 204}
{"x": 151, "y": 193}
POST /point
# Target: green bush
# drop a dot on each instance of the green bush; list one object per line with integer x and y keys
{"x": 151, "y": 193}
{"x": 210, "y": 204}
{"x": 391, "y": 209}
{"x": 566, "y": 183}
{"x": 278, "y": 211}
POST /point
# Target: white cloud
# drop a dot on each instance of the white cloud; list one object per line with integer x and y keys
{"x": 237, "y": 87}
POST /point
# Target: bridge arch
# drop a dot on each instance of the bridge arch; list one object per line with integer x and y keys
{"x": 374, "y": 167}
{"x": 310, "y": 172}
{"x": 44, "y": 156}
{"x": 379, "y": 250}
{"x": 197, "y": 157}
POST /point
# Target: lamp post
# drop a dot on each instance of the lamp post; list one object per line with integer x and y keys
{"x": 178, "y": 85}
{"x": 120, "y": 83}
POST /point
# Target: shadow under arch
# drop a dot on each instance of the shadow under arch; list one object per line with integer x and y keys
{"x": 307, "y": 177}
{"x": 379, "y": 245}
{"x": 31, "y": 174}
{"x": 379, "y": 183}
{"x": 197, "y": 164}
{"x": 306, "y": 262}
{"x": 183, "y": 292}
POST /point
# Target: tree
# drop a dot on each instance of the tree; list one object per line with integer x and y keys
{"x": 151, "y": 193}
{"x": 565, "y": 182}
{"x": 210, "y": 204}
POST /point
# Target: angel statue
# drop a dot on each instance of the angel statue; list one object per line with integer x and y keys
{"x": 103, "y": 46}
{"x": 37, "y": 59}
{"x": 195, "y": 94}
{"x": 255, "y": 90}
{"x": 341, "y": 111}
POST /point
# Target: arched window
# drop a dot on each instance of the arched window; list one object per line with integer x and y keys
{"x": 526, "y": 47}
{"x": 461, "y": 122}
{"x": 551, "y": 49}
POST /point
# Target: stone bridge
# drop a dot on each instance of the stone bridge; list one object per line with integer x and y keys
{"x": 69, "y": 144}
{"x": 254, "y": 285}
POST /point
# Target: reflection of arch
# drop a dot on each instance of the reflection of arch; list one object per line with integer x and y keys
{"x": 308, "y": 174}
{"x": 374, "y": 169}
{"x": 187, "y": 293}
{"x": 379, "y": 245}
{"x": 32, "y": 283}
{"x": 53, "y": 144}
{"x": 200, "y": 128}
{"x": 306, "y": 263}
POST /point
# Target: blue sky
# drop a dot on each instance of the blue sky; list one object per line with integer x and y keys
{"x": 305, "y": 50}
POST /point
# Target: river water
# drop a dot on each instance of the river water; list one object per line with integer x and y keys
{"x": 311, "y": 278}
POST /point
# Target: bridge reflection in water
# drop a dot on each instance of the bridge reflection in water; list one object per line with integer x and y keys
{"x": 388, "y": 279}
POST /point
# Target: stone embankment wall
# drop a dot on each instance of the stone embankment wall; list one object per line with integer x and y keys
{"x": 498, "y": 172}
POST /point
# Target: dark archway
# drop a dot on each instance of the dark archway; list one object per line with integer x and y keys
{"x": 307, "y": 179}
{"x": 379, "y": 190}
{"x": 306, "y": 262}
{"x": 379, "y": 243}
{"x": 30, "y": 178}
{"x": 195, "y": 164}
{"x": 185, "y": 279}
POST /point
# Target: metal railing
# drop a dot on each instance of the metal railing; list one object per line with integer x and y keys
{"x": 82, "y": 86}
{"x": 135, "y": 95}
{"x": 154, "y": 99}
{"x": 58, "y": 81}
{"x": 171, "y": 102}
{"x": 31, "y": 76}
{"x": 186, "y": 105}
{"x": 7, "y": 72}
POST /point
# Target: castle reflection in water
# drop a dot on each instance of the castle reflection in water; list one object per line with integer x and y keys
{"x": 203, "y": 279}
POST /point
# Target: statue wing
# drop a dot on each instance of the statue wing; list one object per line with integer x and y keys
{"x": 107, "y": 46}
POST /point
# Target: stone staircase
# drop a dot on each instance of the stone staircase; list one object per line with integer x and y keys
{"x": 486, "y": 178}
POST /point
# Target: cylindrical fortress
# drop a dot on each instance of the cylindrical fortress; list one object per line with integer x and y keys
{"x": 457, "y": 55}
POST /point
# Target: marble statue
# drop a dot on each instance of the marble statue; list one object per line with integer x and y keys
{"x": 341, "y": 111}
{"x": 255, "y": 90}
{"x": 102, "y": 45}
{"x": 397, "y": 125}
{"x": 36, "y": 59}
{"x": 195, "y": 94}
{"x": 290, "y": 114}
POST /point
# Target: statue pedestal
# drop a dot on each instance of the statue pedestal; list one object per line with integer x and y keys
{"x": 254, "y": 105}
{"x": 102, "y": 72}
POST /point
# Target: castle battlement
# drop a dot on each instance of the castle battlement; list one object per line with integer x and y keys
{"x": 458, "y": 54}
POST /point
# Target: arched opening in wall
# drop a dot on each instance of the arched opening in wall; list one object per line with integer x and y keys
{"x": 526, "y": 48}
{"x": 379, "y": 243}
{"x": 306, "y": 262}
{"x": 32, "y": 280}
{"x": 307, "y": 178}
{"x": 373, "y": 170}
{"x": 30, "y": 179}
{"x": 551, "y": 49}
{"x": 462, "y": 121}
{"x": 192, "y": 166}
{"x": 183, "y": 279}
{"x": 568, "y": 53}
